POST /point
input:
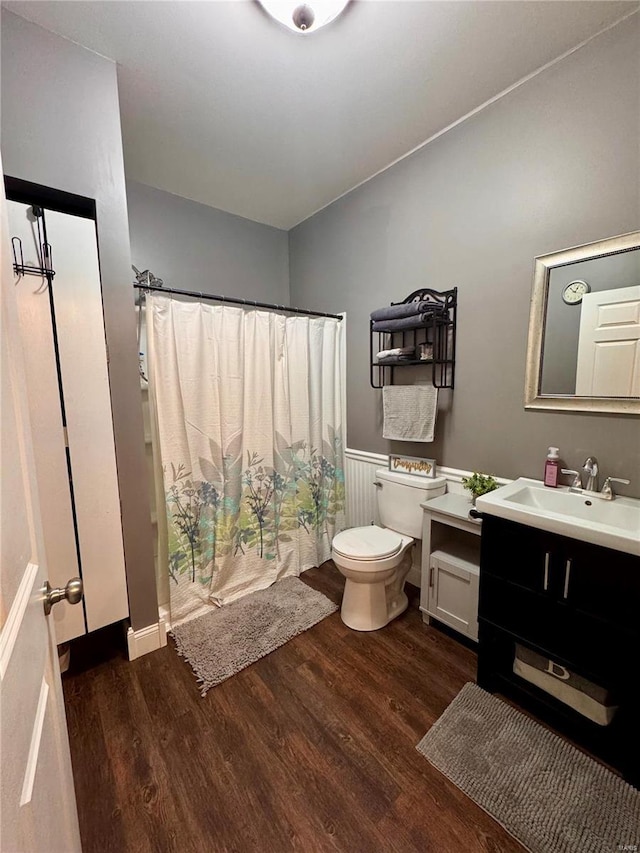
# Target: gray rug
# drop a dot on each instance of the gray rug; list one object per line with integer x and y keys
{"x": 550, "y": 796}
{"x": 221, "y": 643}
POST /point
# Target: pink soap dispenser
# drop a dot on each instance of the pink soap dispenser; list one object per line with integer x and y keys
{"x": 552, "y": 468}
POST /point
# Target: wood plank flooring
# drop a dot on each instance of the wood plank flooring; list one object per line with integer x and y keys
{"x": 310, "y": 749}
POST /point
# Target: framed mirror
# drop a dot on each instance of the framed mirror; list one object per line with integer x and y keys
{"x": 583, "y": 352}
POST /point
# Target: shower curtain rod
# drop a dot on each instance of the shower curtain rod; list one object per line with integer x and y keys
{"x": 235, "y": 301}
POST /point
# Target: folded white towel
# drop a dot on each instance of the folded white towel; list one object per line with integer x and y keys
{"x": 387, "y": 353}
{"x": 409, "y": 412}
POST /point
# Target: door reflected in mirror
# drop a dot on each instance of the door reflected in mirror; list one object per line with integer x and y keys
{"x": 584, "y": 329}
{"x": 591, "y": 344}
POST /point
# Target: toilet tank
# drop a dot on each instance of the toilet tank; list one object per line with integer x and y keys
{"x": 399, "y": 499}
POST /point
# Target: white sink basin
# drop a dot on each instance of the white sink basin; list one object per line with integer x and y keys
{"x": 612, "y": 524}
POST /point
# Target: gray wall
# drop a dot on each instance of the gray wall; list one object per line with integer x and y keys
{"x": 61, "y": 128}
{"x": 562, "y": 324}
{"x": 195, "y": 247}
{"x": 551, "y": 165}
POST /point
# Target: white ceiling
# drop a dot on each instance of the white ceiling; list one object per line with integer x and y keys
{"x": 222, "y": 105}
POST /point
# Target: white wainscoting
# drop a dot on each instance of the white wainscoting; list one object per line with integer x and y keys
{"x": 361, "y": 493}
{"x": 360, "y": 474}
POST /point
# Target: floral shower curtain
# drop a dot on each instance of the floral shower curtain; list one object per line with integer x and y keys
{"x": 250, "y": 425}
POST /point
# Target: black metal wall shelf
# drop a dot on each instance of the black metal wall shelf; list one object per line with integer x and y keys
{"x": 434, "y": 331}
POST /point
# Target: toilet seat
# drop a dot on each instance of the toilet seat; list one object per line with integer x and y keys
{"x": 367, "y": 544}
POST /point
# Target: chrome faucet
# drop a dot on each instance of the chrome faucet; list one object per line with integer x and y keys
{"x": 590, "y": 468}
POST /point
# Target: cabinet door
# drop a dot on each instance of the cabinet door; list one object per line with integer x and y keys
{"x": 602, "y": 583}
{"x": 453, "y": 597}
{"x": 521, "y": 555}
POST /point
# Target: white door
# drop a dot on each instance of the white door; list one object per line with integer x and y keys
{"x": 38, "y": 809}
{"x": 609, "y": 344}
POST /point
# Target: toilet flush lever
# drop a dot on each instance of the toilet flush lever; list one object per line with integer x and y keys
{"x": 377, "y": 484}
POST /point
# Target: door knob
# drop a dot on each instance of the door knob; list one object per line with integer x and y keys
{"x": 72, "y": 592}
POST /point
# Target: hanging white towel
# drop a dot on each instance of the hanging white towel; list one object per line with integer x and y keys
{"x": 409, "y": 412}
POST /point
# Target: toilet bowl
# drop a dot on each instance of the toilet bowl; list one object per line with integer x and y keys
{"x": 374, "y": 560}
{"x": 375, "y": 563}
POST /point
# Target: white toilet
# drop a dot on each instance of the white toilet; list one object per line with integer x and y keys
{"x": 376, "y": 560}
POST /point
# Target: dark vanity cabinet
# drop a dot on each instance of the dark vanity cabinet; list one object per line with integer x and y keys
{"x": 575, "y": 605}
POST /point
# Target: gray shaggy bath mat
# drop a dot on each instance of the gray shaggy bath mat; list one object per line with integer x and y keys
{"x": 549, "y": 795}
{"x": 221, "y": 643}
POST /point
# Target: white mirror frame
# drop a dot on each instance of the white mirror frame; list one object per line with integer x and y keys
{"x": 543, "y": 266}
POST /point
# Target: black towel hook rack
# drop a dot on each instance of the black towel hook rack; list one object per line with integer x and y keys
{"x": 45, "y": 267}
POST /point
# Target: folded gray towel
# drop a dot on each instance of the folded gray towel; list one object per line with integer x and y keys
{"x": 412, "y": 322}
{"x": 405, "y": 309}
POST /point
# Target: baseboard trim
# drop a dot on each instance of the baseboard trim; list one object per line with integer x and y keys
{"x": 146, "y": 639}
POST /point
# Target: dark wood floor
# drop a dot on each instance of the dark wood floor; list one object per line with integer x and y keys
{"x": 312, "y": 748}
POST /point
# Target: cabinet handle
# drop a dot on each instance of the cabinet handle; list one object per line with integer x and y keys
{"x": 545, "y": 585}
{"x": 431, "y": 576}
{"x": 567, "y": 574}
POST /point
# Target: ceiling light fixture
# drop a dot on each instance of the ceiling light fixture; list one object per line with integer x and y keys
{"x": 304, "y": 17}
